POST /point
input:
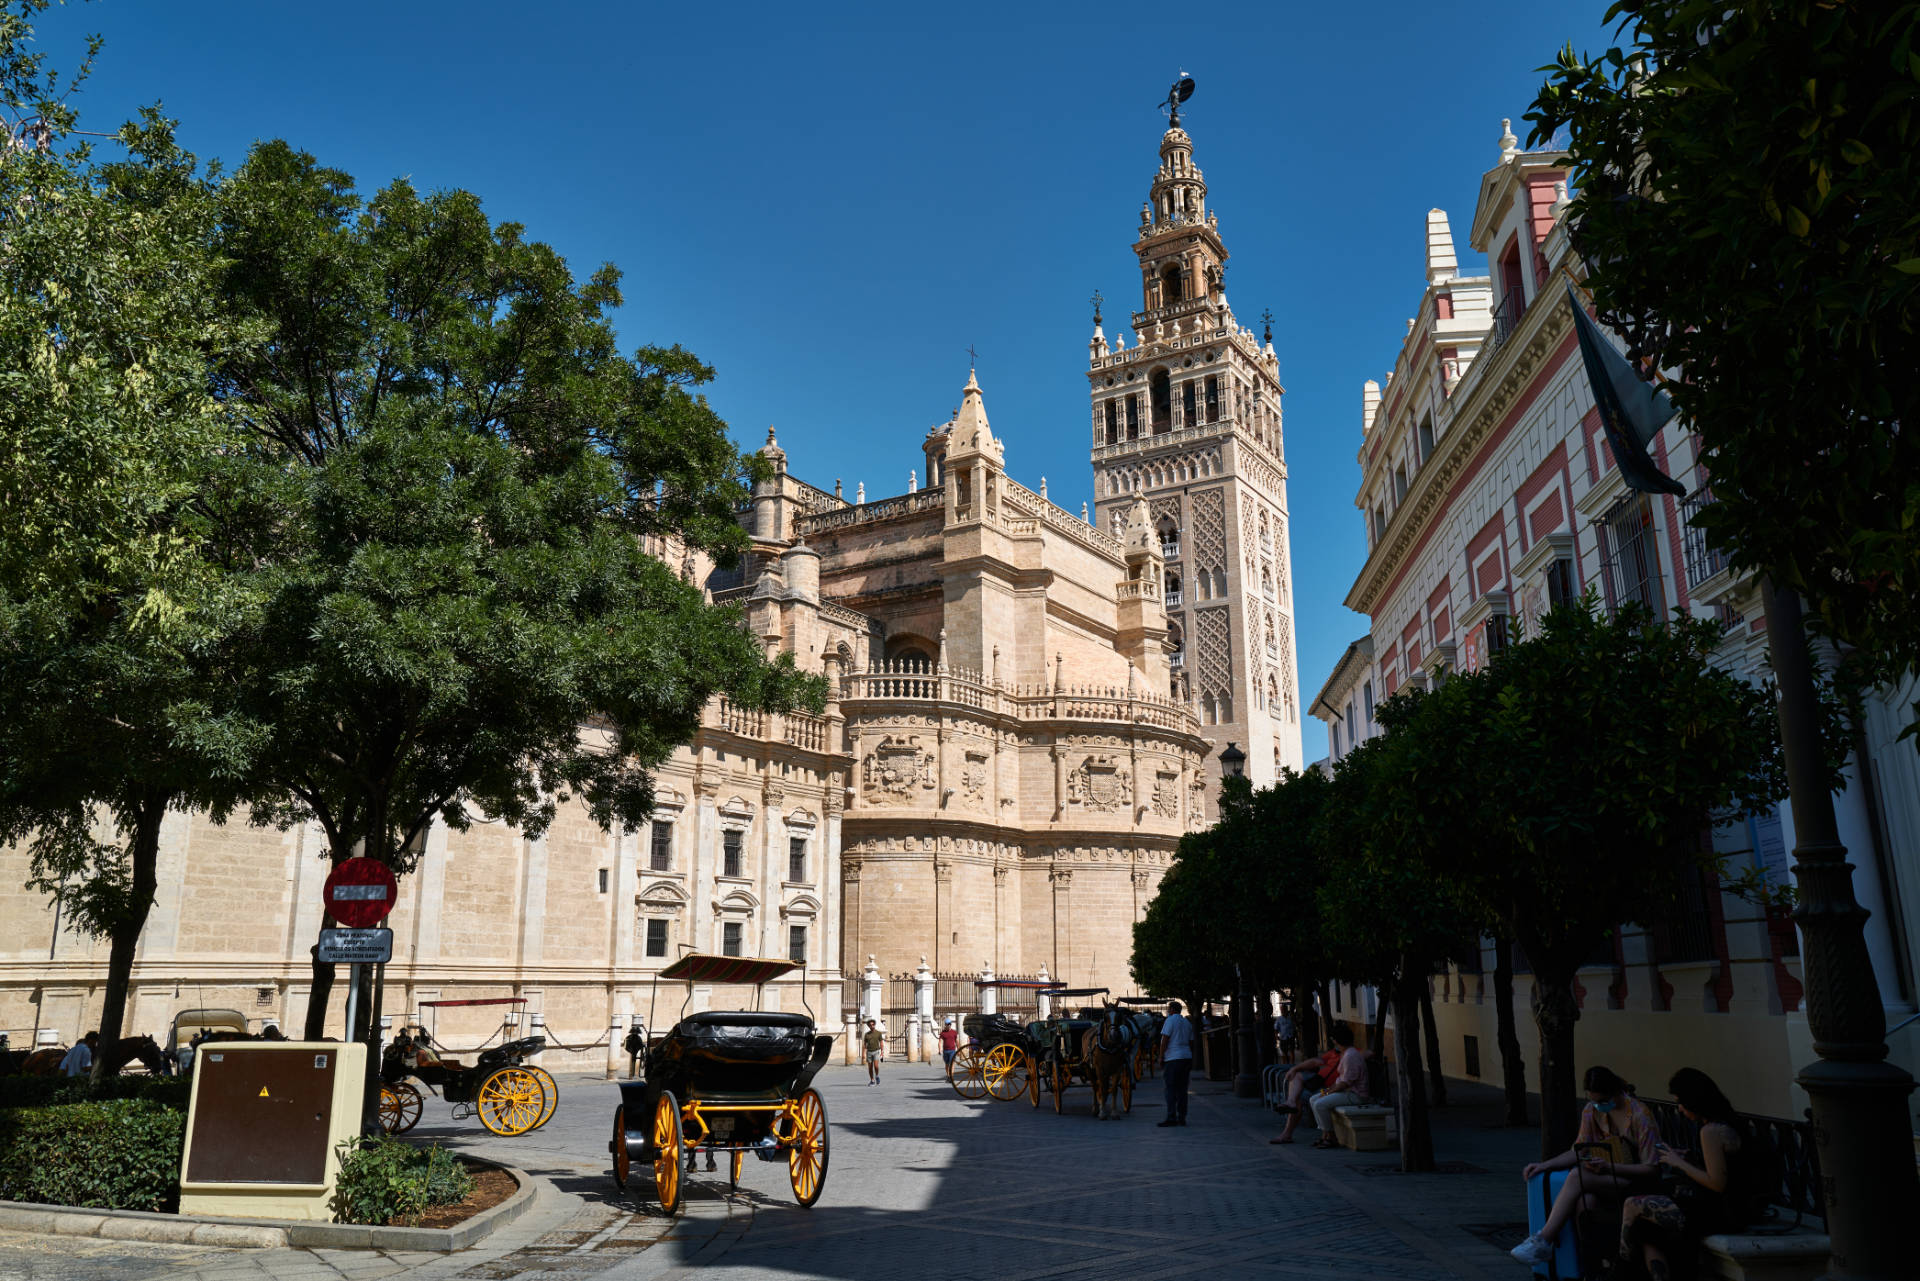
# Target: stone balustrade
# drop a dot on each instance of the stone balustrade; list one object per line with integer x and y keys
{"x": 910, "y": 681}
{"x": 924, "y": 500}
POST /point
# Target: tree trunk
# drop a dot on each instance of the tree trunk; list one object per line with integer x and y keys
{"x": 1555, "y": 1012}
{"x": 322, "y": 990}
{"x": 1416, "y": 1131}
{"x": 1436, "y": 1079}
{"x": 124, "y": 938}
{"x": 1513, "y": 1068}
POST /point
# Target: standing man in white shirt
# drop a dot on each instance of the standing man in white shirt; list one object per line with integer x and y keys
{"x": 1176, "y": 1057}
{"x": 79, "y": 1060}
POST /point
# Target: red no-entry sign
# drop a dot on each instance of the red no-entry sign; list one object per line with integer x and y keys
{"x": 360, "y": 892}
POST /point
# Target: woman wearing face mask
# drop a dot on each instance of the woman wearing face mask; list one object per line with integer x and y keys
{"x": 1617, "y": 1148}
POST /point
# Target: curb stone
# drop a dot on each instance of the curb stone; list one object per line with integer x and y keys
{"x": 267, "y": 1234}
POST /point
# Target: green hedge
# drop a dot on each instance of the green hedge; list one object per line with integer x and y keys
{"x": 51, "y": 1091}
{"x": 383, "y": 1179}
{"x": 118, "y": 1155}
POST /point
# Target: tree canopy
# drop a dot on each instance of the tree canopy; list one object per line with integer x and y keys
{"x": 1744, "y": 185}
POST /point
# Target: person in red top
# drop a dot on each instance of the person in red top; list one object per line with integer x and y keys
{"x": 949, "y": 1045}
{"x": 1309, "y": 1074}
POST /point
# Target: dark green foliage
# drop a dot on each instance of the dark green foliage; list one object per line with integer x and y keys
{"x": 1745, "y": 178}
{"x": 123, "y": 1155}
{"x": 48, "y": 1091}
{"x": 388, "y": 1180}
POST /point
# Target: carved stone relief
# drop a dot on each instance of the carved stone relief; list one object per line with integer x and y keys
{"x": 1166, "y": 795}
{"x": 896, "y": 768}
{"x": 1100, "y": 783}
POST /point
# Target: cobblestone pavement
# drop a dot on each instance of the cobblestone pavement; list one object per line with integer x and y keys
{"x": 921, "y": 1183}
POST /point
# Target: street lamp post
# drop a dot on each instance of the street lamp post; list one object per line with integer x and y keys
{"x": 1859, "y": 1099}
{"x": 1246, "y": 1075}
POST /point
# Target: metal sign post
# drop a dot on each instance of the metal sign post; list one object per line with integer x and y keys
{"x": 360, "y": 892}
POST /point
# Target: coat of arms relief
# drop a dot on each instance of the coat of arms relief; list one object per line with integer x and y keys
{"x": 973, "y": 778}
{"x": 1166, "y": 795}
{"x": 895, "y": 768}
{"x": 1101, "y": 783}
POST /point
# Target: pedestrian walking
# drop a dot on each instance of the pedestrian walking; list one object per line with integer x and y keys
{"x": 1176, "y": 1059}
{"x": 949, "y": 1045}
{"x": 79, "y": 1060}
{"x": 1283, "y": 1032}
{"x": 875, "y": 1042}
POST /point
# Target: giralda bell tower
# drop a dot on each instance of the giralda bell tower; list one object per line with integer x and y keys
{"x": 1189, "y": 416}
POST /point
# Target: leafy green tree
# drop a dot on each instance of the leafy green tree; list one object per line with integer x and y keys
{"x": 1745, "y": 176}
{"x": 1607, "y": 745}
{"x": 451, "y": 483}
{"x": 1388, "y": 904}
{"x": 111, "y": 615}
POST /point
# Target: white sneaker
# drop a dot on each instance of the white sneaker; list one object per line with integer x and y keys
{"x": 1534, "y": 1249}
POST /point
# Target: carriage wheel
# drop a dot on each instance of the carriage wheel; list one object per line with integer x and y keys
{"x": 1060, "y": 1079}
{"x": 510, "y": 1102}
{"x": 970, "y": 1072}
{"x": 1035, "y": 1071}
{"x": 733, "y": 1179}
{"x": 622, "y": 1159}
{"x": 1143, "y": 1060}
{"x": 1126, "y": 1088}
{"x": 666, "y": 1152}
{"x": 399, "y": 1107}
{"x": 1007, "y": 1072}
{"x": 551, "y": 1090}
{"x": 807, "y": 1155}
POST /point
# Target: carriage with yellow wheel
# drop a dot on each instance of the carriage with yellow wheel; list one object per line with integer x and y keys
{"x": 509, "y": 1094}
{"x": 732, "y": 1082}
{"x": 1000, "y": 1060}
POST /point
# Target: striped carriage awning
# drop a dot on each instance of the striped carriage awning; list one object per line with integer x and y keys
{"x": 1023, "y": 985}
{"x": 699, "y": 967}
{"x": 477, "y": 1000}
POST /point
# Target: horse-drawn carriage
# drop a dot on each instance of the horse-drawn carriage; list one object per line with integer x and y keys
{"x": 1000, "y": 1059}
{"x": 510, "y": 1095}
{"x": 1103, "y": 1047}
{"x": 732, "y": 1081}
{"x": 1148, "y": 1016}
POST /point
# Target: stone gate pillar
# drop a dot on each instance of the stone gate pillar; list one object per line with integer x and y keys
{"x": 617, "y": 1045}
{"x": 1044, "y": 1002}
{"x": 923, "y": 1005}
{"x": 870, "y": 982}
{"x": 989, "y": 996}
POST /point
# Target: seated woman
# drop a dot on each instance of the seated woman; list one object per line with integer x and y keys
{"x": 1614, "y": 1119}
{"x": 1714, "y": 1190}
{"x": 1348, "y": 1088}
{"x": 1310, "y": 1074}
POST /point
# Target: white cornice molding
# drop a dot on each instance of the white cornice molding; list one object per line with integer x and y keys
{"x": 1552, "y": 547}
{"x": 1504, "y": 376}
{"x": 1493, "y": 603}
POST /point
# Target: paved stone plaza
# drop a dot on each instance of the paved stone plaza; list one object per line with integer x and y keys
{"x": 924, "y": 1185}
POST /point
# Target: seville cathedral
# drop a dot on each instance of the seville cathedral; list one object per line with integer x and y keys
{"x": 1027, "y": 708}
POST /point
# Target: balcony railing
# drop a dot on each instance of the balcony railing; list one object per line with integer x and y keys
{"x": 1173, "y": 600}
{"x": 1170, "y": 549}
{"x": 1703, "y": 562}
{"x": 1506, "y": 318}
{"x": 1022, "y": 702}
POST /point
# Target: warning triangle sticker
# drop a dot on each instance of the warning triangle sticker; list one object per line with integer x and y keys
{"x": 263, "y": 1091}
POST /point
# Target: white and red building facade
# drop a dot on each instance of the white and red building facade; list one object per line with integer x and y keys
{"x": 1489, "y": 493}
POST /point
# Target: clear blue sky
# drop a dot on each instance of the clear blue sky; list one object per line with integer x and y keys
{"x": 829, "y": 203}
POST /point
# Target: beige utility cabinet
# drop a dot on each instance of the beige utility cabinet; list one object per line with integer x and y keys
{"x": 265, "y": 1125}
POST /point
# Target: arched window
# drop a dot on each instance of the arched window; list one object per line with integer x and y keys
{"x": 1207, "y": 710}
{"x": 1176, "y": 646}
{"x": 1169, "y": 538}
{"x": 1273, "y": 648}
{"x": 1173, "y": 590}
{"x": 1220, "y": 584}
{"x": 1170, "y": 284}
{"x": 1266, "y": 577}
{"x": 1160, "y": 390}
{"x": 909, "y": 656}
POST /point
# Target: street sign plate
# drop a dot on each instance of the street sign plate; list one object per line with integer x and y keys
{"x": 356, "y": 947}
{"x": 360, "y": 892}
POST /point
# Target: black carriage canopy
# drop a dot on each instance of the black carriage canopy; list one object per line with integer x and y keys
{"x": 703, "y": 967}
{"x": 1078, "y": 991}
{"x": 1020, "y": 985}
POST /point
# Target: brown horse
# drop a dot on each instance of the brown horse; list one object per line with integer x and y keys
{"x": 1106, "y": 1049}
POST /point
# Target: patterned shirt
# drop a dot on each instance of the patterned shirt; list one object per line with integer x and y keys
{"x": 1634, "y": 1123}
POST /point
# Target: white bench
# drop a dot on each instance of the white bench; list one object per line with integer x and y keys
{"x": 1365, "y": 1127}
{"x": 1791, "y": 1256}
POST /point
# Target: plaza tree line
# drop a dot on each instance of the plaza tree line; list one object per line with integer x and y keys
{"x": 326, "y": 507}
{"x": 1567, "y": 787}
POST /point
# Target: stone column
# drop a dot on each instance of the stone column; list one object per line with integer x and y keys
{"x": 616, "y": 1044}
{"x": 870, "y": 992}
{"x": 1045, "y": 1000}
{"x": 989, "y": 996}
{"x": 1062, "y": 878}
{"x": 1059, "y": 782}
{"x": 923, "y": 1005}
{"x": 854, "y": 1028}
{"x": 849, "y": 914}
{"x": 942, "y": 903}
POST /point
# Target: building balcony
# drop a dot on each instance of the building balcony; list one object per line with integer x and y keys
{"x": 1173, "y": 600}
{"x": 913, "y": 682}
{"x": 1704, "y": 563}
